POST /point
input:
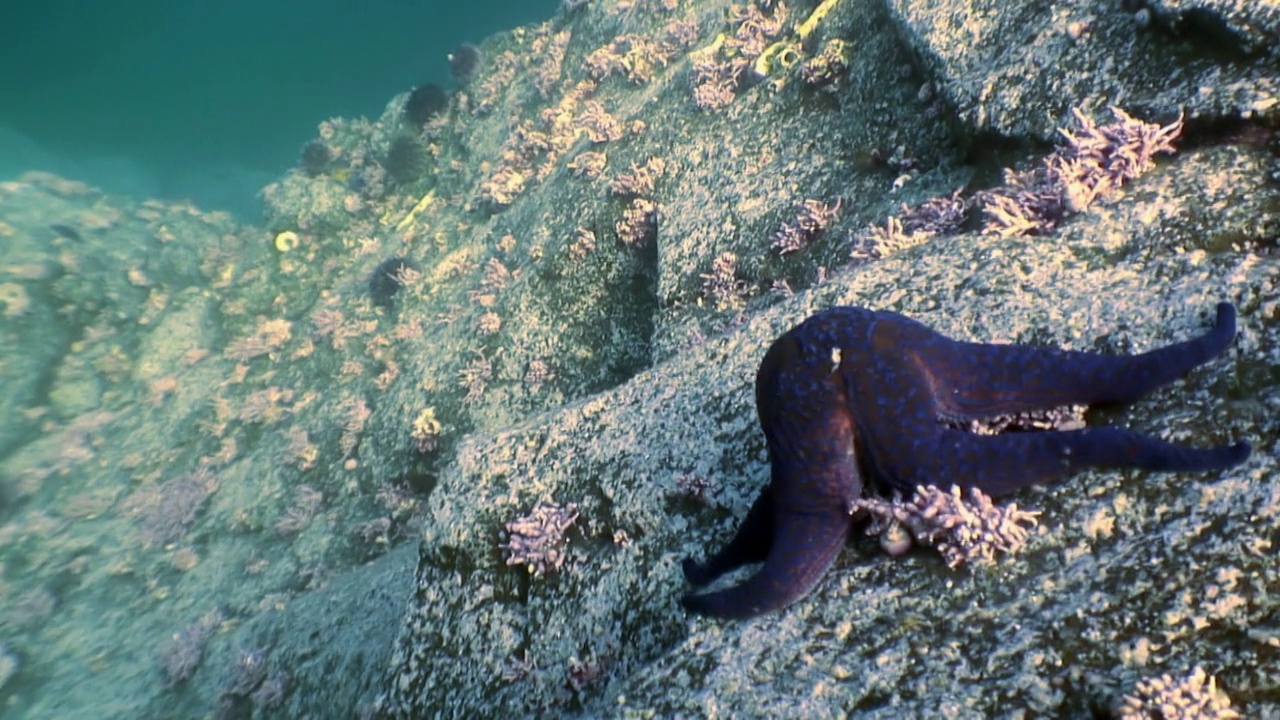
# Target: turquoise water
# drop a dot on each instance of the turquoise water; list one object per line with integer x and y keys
{"x": 224, "y": 423}
{"x": 212, "y": 100}
{"x": 126, "y": 496}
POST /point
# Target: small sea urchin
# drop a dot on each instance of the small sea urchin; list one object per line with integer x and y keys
{"x": 315, "y": 158}
{"x": 385, "y": 281}
{"x": 406, "y": 160}
{"x": 464, "y": 63}
{"x": 425, "y": 102}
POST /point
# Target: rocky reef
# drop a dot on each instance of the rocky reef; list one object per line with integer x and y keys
{"x": 433, "y": 440}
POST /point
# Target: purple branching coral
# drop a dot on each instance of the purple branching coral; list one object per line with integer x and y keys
{"x": 165, "y": 511}
{"x": 721, "y": 286}
{"x": 812, "y": 219}
{"x": 828, "y": 66}
{"x": 963, "y": 529}
{"x": 536, "y": 540}
{"x": 640, "y": 180}
{"x": 180, "y": 655}
{"x": 1194, "y": 696}
{"x": 306, "y": 503}
{"x": 717, "y": 69}
{"x": 637, "y": 226}
{"x": 549, "y": 49}
{"x": 1094, "y": 160}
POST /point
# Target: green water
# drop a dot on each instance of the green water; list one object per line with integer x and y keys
{"x": 209, "y": 101}
{"x": 212, "y": 100}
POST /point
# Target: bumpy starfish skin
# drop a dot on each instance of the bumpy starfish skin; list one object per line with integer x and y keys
{"x": 851, "y": 398}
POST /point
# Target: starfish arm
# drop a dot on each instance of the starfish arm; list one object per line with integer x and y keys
{"x": 802, "y": 519}
{"x": 851, "y": 397}
{"x": 751, "y": 544}
{"x": 1000, "y": 464}
{"x": 804, "y": 546}
{"x": 976, "y": 380}
{"x": 894, "y": 388}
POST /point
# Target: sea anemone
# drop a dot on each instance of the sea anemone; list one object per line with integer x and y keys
{"x": 386, "y": 280}
{"x": 315, "y": 158}
{"x": 407, "y": 160}
{"x": 464, "y": 63}
{"x": 425, "y": 102}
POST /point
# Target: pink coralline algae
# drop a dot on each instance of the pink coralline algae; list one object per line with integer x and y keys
{"x": 637, "y": 226}
{"x": 1095, "y": 160}
{"x": 474, "y": 378}
{"x": 721, "y": 286}
{"x": 963, "y": 529}
{"x": 269, "y": 335}
{"x": 180, "y": 655}
{"x": 1090, "y": 163}
{"x": 537, "y": 374}
{"x": 1194, "y": 696}
{"x": 811, "y": 220}
{"x": 306, "y": 503}
{"x": 165, "y": 511}
{"x": 536, "y": 540}
{"x": 357, "y": 414}
{"x": 718, "y": 68}
{"x": 641, "y": 180}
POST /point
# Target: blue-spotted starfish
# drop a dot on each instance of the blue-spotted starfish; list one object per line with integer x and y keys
{"x": 855, "y": 401}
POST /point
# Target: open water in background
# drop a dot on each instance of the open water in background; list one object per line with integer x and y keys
{"x": 211, "y": 100}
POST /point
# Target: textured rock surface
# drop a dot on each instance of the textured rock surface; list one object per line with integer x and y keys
{"x": 211, "y": 426}
{"x": 1014, "y": 68}
{"x": 1054, "y": 629}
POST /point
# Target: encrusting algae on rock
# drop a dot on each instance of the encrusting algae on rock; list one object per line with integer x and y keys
{"x": 583, "y": 325}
